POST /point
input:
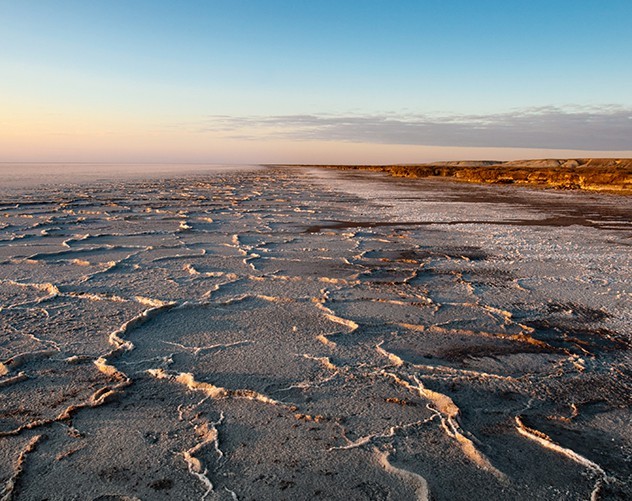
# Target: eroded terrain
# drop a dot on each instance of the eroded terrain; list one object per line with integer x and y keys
{"x": 284, "y": 334}
{"x": 592, "y": 174}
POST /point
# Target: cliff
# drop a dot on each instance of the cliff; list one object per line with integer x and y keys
{"x": 595, "y": 174}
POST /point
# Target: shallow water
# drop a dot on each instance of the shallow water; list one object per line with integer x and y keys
{"x": 295, "y": 334}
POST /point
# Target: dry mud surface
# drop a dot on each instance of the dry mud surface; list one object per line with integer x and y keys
{"x": 311, "y": 334}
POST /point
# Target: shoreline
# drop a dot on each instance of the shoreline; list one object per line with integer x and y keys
{"x": 603, "y": 175}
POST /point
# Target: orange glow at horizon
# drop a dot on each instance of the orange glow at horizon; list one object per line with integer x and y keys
{"x": 49, "y": 136}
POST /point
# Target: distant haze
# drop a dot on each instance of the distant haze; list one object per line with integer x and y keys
{"x": 21, "y": 175}
{"x": 314, "y": 82}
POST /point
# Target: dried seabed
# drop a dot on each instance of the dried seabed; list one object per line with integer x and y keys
{"x": 230, "y": 338}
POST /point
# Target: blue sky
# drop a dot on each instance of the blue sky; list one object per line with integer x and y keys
{"x": 235, "y": 75}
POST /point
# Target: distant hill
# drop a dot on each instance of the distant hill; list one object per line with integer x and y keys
{"x": 595, "y": 174}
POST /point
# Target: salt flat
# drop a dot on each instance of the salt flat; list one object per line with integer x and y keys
{"x": 302, "y": 333}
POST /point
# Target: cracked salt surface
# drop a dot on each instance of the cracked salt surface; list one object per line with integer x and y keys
{"x": 292, "y": 334}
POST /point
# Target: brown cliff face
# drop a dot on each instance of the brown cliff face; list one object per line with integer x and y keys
{"x": 595, "y": 174}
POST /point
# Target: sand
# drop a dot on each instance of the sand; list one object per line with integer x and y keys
{"x": 313, "y": 334}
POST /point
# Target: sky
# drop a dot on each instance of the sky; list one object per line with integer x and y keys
{"x": 314, "y": 81}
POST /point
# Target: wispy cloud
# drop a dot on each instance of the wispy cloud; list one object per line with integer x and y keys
{"x": 580, "y": 128}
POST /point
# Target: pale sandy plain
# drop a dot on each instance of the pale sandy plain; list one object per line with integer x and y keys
{"x": 308, "y": 334}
